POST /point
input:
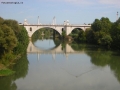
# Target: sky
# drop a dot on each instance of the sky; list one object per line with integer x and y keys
{"x": 76, "y": 11}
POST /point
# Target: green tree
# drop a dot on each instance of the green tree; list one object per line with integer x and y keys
{"x": 89, "y": 35}
{"x": 81, "y": 36}
{"x": 63, "y": 34}
{"x": 14, "y": 26}
{"x": 23, "y": 41}
{"x": 101, "y": 30}
{"x": 1, "y": 20}
{"x": 115, "y": 34}
{"x": 103, "y": 24}
{"x": 8, "y": 39}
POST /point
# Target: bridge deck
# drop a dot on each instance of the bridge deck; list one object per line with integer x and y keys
{"x": 59, "y": 25}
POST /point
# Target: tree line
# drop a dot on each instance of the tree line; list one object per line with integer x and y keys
{"x": 13, "y": 41}
{"x": 103, "y": 32}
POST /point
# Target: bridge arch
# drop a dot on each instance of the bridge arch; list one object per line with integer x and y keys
{"x": 76, "y": 29}
{"x": 47, "y": 28}
{"x": 32, "y": 28}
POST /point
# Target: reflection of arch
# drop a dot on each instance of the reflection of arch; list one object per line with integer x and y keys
{"x": 30, "y": 29}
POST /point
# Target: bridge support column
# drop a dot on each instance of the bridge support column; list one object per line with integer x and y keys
{"x": 68, "y": 30}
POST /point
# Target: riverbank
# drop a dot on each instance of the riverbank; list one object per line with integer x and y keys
{"x": 5, "y": 69}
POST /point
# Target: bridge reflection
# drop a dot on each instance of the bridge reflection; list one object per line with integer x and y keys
{"x": 32, "y": 49}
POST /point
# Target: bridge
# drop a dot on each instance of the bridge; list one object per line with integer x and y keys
{"x": 59, "y": 28}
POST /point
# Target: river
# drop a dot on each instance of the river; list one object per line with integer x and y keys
{"x": 49, "y": 65}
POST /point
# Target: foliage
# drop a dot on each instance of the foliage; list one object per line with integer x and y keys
{"x": 115, "y": 34}
{"x": 89, "y": 36}
{"x": 1, "y": 20}
{"x": 78, "y": 35}
{"x": 100, "y": 32}
{"x": 23, "y": 41}
{"x": 21, "y": 67}
{"x": 7, "y": 39}
{"x": 14, "y": 26}
{"x": 81, "y": 36}
{"x": 13, "y": 41}
{"x": 103, "y": 24}
{"x": 47, "y": 33}
{"x": 6, "y": 72}
{"x": 63, "y": 34}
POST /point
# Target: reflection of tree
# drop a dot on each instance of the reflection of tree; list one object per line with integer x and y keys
{"x": 78, "y": 47}
{"x": 103, "y": 58}
{"x": 63, "y": 46}
{"x": 56, "y": 41}
{"x": 21, "y": 67}
{"x": 6, "y": 83}
{"x": 100, "y": 58}
{"x": 115, "y": 66}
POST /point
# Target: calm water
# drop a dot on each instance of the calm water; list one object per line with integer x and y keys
{"x": 48, "y": 66}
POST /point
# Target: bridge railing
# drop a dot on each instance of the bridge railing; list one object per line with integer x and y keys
{"x": 55, "y": 25}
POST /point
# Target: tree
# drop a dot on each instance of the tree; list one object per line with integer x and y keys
{"x": 8, "y": 39}
{"x": 115, "y": 34}
{"x": 96, "y": 26}
{"x": 101, "y": 30}
{"x": 89, "y": 33}
{"x": 1, "y": 20}
{"x": 81, "y": 36}
{"x": 14, "y": 26}
{"x": 22, "y": 41}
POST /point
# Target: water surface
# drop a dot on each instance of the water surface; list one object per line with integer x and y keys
{"x": 65, "y": 67}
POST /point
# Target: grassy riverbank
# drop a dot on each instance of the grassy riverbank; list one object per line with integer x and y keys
{"x": 6, "y": 64}
{"x": 4, "y": 71}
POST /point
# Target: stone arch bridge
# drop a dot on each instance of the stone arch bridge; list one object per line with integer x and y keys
{"x": 59, "y": 28}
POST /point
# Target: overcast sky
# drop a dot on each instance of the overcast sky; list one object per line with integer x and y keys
{"x": 76, "y": 11}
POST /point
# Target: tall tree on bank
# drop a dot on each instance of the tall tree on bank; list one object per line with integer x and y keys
{"x": 115, "y": 34}
{"x": 8, "y": 39}
{"x": 101, "y": 30}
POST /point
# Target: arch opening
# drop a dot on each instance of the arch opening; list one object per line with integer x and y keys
{"x": 46, "y": 32}
{"x": 75, "y": 31}
{"x": 31, "y": 29}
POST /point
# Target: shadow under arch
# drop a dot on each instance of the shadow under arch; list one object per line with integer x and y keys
{"x": 76, "y": 30}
